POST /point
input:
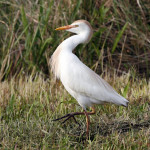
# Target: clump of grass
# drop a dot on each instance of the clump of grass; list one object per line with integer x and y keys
{"x": 29, "y": 104}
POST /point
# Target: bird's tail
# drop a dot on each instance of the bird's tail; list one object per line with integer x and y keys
{"x": 119, "y": 100}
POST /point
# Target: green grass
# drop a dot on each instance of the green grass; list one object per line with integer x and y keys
{"x": 29, "y": 104}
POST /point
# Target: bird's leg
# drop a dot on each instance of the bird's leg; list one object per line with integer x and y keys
{"x": 68, "y": 116}
{"x": 88, "y": 120}
{"x": 92, "y": 112}
{"x": 87, "y": 124}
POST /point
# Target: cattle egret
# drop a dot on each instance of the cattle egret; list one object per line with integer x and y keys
{"x": 87, "y": 87}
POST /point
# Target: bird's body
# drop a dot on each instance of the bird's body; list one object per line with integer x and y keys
{"x": 80, "y": 81}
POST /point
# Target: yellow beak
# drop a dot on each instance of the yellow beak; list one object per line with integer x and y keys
{"x": 66, "y": 27}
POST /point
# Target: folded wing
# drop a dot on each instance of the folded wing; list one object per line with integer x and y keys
{"x": 86, "y": 82}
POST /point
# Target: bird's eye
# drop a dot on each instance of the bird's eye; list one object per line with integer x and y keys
{"x": 76, "y": 25}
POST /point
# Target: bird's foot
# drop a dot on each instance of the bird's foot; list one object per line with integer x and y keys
{"x": 70, "y": 115}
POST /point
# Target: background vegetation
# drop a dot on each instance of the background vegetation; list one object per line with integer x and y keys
{"x": 120, "y": 41}
{"x": 119, "y": 51}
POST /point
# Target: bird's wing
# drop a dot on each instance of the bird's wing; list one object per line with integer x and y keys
{"x": 86, "y": 82}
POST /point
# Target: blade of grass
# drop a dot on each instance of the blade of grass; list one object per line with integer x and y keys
{"x": 117, "y": 39}
{"x": 21, "y": 35}
{"x": 43, "y": 47}
{"x": 74, "y": 12}
{"x": 125, "y": 91}
{"x": 47, "y": 16}
{"x": 24, "y": 20}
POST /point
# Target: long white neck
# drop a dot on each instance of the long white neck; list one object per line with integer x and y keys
{"x": 71, "y": 42}
{"x": 67, "y": 46}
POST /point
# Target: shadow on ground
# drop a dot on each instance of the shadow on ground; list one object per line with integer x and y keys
{"x": 108, "y": 129}
{"x": 120, "y": 127}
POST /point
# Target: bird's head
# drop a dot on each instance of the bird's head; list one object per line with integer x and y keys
{"x": 79, "y": 27}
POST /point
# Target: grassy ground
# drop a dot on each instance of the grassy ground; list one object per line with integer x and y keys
{"x": 28, "y": 39}
{"x": 29, "y": 104}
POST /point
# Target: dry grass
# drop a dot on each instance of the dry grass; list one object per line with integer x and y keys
{"x": 120, "y": 41}
{"x": 29, "y": 104}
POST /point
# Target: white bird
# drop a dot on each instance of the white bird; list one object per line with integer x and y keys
{"x": 87, "y": 87}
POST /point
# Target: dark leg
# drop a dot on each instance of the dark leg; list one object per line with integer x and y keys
{"x": 68, "y": 116}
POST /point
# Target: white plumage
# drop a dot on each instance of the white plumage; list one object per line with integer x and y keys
{"x": 81, "y": 82}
